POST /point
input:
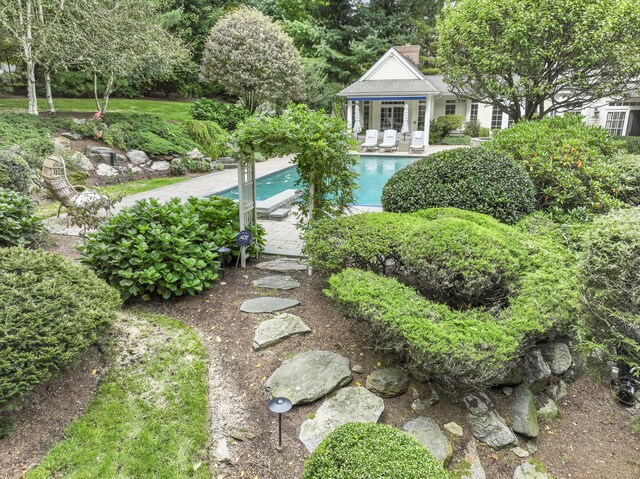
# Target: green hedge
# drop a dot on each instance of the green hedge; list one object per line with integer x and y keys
{"x": 628, "y": 167}
{"x": 15, "y": 172}
{"x": 611, "y": 269}
{"x": 224, "y": 114}
{"x": 50, "y": 311}
{"x": 371, "y": 451}
{"x": 631, "y": 144}
{"x": 18, "y": 225}
{"x": 489, "y": 290}
{"x": 166, "y": 249}
{"x": 468, "y": 178}
{"x": 568, "y": 161}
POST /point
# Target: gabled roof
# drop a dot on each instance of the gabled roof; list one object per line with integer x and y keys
{"x": 438, "y": 82}
{"x": 408, "y": 65}
{"x": 385, "y": 88}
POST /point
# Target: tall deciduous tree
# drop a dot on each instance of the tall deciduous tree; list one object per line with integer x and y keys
{"x": 252, "y": 58}
{"x": 533, "y": 57}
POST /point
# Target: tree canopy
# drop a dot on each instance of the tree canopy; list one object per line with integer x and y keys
{"x": 533, "y": 57}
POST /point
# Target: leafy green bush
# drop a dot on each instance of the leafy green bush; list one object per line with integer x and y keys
{"x": 628, "y": 168}
{"x": 489, "y": 289}
{"x": 448, "y": 123}
{"x": 165, "y": 249}
{"x": 18, "y": 226}
{"x": 50, "y": 311}
{"x": 472, "y": 128}
{"x": 473, "y": 179}
{"x": 15, "y": 173}
{"x": 371, "y": 450}
{"x": 224, "y": 114}
{"x": 209, "y": 135}
{"x": 182, "y": 166}
{"x": 611, "y": 269}
{"x": 484, "y": 132}
{"x": 631, "y": 144}
{"x": 568, "y": 162}
{"x": 457, "y": 140}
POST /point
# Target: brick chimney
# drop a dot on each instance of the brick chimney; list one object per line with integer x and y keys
{"x": 410, "y": 52}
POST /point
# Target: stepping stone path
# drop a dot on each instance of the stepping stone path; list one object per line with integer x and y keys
{"x": 487, "y": 424}
{"x": 274, "y": 330}
{"x": 525, "y": 416}
{"x": 276, "y": 282}
{"x": 354, "y": 404}
{"x": 426, "y": 431}
{"x": 309, "y": 376}
{"x": 268, "y": 305}
{"x": 388, "y": 382}
{"x": 283, "y": 265}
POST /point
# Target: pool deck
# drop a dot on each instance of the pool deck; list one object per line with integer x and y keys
{"x": 283, "y": 238}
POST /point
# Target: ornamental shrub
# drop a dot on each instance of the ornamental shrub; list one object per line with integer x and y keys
{"x": 628, "y": 168}
{"x": 224, "y": 114}
{"x": 568, "y": 161}
{"x": 166, "y": 249}
{"x": 18, "y": 225}
{"x": 209, "y": 135}
{"x": 471, "y": 178}
{"x": 50, "y": 311}
{"x": 630, "y": 143}
{"x": 467, "y": 294}
{"x": 15, "y": 173}
{"x": 371, "y": 450}
{"x": 448, "y": 123}
{"x": 611, "y": 269}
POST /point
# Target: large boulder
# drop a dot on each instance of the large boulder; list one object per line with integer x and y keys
{"x": 71, "y": 135}
{"x": 354, "y": 404}
{"x": 509, "y": 377}
{"x": 388, "y": 382}
{"x": 309, "y": 376}
{"x": 557, "y": 356}
{"x": 487, "y": 424}
{"x": 549, "y": 411}
{"x": 557, "y": 391}
{"x": 276, "y": 329}
{"x": 537, "y": 371}
{"x": 137, "y": 157}
{"x": 267, "y": 304}
{"x": 100, "y": 153}
{"x": 81, "y": 161}
{"x": 106, "y": 170}
{"x": 160, "y": 165}
{"x": 426, "y": 431}
{"x": 525, "y": 417}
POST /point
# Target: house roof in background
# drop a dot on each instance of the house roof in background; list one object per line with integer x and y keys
{"x": 386, "y": 88}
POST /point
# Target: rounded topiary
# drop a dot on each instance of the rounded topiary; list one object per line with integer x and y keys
{"x": 167, "y": 249}
{"x": 469, "y": 178}
{"x": 611, "y": 269}
{"x": 371, "y": 450}
{"x": 18, "y": 225}
{"x": 50, "y": 311}
{"x": 15, "y": 173}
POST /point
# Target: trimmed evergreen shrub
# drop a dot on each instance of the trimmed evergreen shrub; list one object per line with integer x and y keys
{"x": 50, "y": 311}
{"x": 611, "y": 294}
{"x": 224, "y": 114}
{"x": 471, "y": 178}
{"x": 15, "y": 173}
{"x": 631, "y": 144}
{"x": 568, "y": 161}
{"x": 170, "y": 249}
{"x": 18, "y": 225}
{"x": 371, "y": 450}
{"x": 488, "y": 290}
{"x": 628, "y": 167}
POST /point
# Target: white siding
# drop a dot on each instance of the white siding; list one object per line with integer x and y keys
{"x": 392, "y": 69}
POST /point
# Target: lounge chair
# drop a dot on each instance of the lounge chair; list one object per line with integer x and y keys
{"x": 417, "y": 141}
{"x": 370, "y": 140}
{"x": 389, "y": 141}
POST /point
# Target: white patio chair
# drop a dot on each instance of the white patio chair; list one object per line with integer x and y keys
{"x": 370, "y": 140}
{"x": 389, "y": 140}
{"x": 417, "y": 141}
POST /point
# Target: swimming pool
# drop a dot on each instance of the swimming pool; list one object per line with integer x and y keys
{"x": 373, "y": 171}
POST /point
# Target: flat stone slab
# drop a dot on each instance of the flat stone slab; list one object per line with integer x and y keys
{"x": 268, "y": 305}
{"x": 274, "y": 330}
{"x": 354, "y": 404}
{"x": 276, "y": 282}
{"x": 425, "y": 430}
{"x": 309, "y": 376}
{"x": 283, "y": 265}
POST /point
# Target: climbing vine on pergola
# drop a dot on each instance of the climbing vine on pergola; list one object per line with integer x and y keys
{"x": 321, "y": 145}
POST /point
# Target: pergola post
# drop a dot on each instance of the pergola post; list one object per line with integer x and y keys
{"x": 246, "y": 200}
{"x": 350, "y": 114}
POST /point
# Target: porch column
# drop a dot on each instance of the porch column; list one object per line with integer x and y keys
{"x": 349, "y": 113}
{"x": 428, "y": 107}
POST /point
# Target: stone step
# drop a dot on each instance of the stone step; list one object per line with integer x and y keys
{"x": 276, "y": 282}
{"x": 279, "y": 214}
{"x": 283, "y": 265}
{"x": 268, "y": 305}
{"x": 276, "y": 329}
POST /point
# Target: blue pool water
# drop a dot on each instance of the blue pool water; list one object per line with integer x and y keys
{"x": 373, "y": 171}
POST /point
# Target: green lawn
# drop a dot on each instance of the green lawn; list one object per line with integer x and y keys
{"x": 149, "y": 417}
{"x": 47, "y": 209}
{"x": 169, "y": 110}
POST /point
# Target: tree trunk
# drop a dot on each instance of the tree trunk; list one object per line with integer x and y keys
{"x": 107, "y": 93}
{"x": 27, "y": 46}
{"x": 95, "y": 91}
{"x": 47, "y": 83}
